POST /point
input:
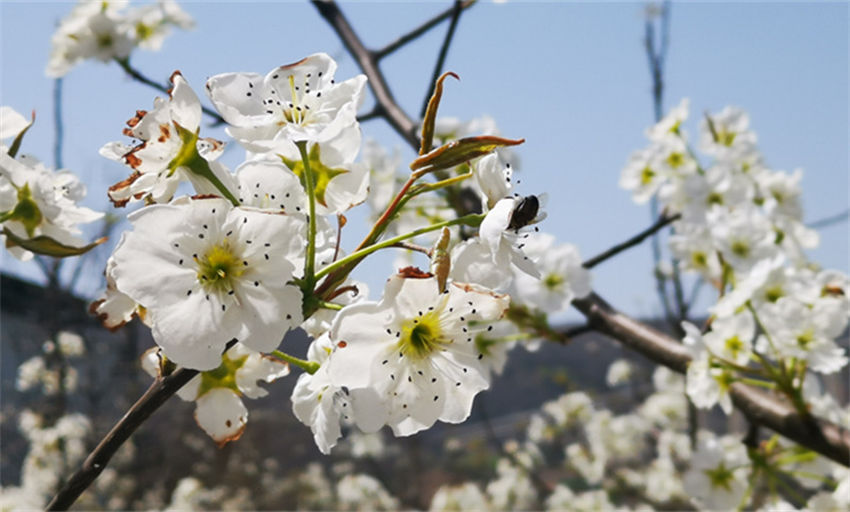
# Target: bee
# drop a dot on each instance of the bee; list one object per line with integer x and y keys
{"x": 524, "y": 212}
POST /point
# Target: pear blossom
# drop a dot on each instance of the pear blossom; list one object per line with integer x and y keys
{"x": 36, "y": 201}
{"x": 562, "y": 276}
{"x": 11, "y": 124}
{"x": 113, "y": 308}
{"x": 807, "y": 333}
{"x": 91, "y": 30}
{"x": 717, "y": 478}
{"x": 169, "y": 144}
{"x": 291, "y": 103}
{"x": 670, "y": 124}
{"x": 726, "y": 134}
{"x": 493, "y": 179}
{"x": 207, "y": 273}
{"x": 642, "y": 175}
{"x": 217, "y": 393}
{"x": 458, "y": 498}
{"x": 706, "y": 383}
{"x": 619, "y": 372}
{"x": 317, "y": 402}
{"x": 487, "y": 258}
{"x": 151, "y": 24}
{"x": 363, "y": 492}
{"x": 731, "y": 337}
{"x": 415, "y": 348}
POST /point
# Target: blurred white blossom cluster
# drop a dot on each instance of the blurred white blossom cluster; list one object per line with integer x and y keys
{"x": 110, "y": 30}
{"x": 741, "y": 229}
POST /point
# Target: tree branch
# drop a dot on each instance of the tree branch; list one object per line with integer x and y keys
{"x": 159, "y": 391}
{"x": 662, "y": 221}
{"x": 758, "y": 406}
{"x": 441, "y": 57}
{"x": 138, "y": 76}
{"x": 368, "y": 62}
{"x": 420, "y": 30}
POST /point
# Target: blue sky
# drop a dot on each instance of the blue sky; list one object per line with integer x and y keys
{"x": 571, "y": 78}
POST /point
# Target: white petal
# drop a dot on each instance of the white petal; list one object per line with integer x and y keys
{"x": 222, "y": 415}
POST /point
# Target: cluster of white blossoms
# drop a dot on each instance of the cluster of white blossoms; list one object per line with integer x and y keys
{"x": 109, "y": 30}
{"x": 741, "y": 229}
{"x": 52, "y": 448}
{"x": 243, "y": 260}
{"x": 38, "y": 206}
{"x": 37, "y": 372}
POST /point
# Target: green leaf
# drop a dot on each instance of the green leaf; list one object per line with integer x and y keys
{"x": 431, "y": 114}
{"x": 460, "y": 151}
{"x": 16, "y": 144}
{"x": 47, "y": 246}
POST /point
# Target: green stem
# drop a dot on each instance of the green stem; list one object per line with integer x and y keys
{"x": 200, "y": 166}
{"x": 310, "y": 261}
{"x": 428, "y": 187}
{"x": 756, "y": 382}
{"x": 308, "y": 366}
{"x": 468, "y": 220}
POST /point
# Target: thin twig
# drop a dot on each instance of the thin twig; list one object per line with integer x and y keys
{"x": 575, "y": 332}
{"x": 368, "y": 62}
{"x": 139, "y": 77}
{"x": 662, "y": 221}
{"x": 441, "y": 57}
{"x": 58, "y": 125}
{"x": 420, "y": 30}
{"x": 413, "y": 247}
{"x": 829, "y": 221}
{"x": 376, "y": 113}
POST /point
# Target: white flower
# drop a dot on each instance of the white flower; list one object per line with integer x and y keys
{"x": 292, "y": 103}
{"x": 37, "y": 201}
{"x": 11, "y": 123}
{"x": 493, "y": 179}
{"x": 415, "y": 348}
{"x": 91, "y": 30}
{"x": 671, "y": 124}
{"x": 70, "y": 344}
{"x": 169, "y": 145}
{"x": 458, "y": 498}
{"x": 512, "y": 489}
{"x": 217, "y": 393}
{"x": 363, "y": 492}
{"x": 486, "y": 260}
{"x": 807, "y": 333}
{"x": 727, "y": 135}
{"x": 619, "y": 371}
{"x": 208, "y": 273}
{"x": 562, "y": 276}
{"x": 743, "y": 236}
{"x": 642, "y": 175}
{"x": 706, "y": 383}
{"x": 731, "y": 337}
{"x": 150, "y": 24}
{"x": 717, "y": 479}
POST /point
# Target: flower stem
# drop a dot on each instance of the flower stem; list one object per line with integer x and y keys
{"x": 310, "y": 261}
{"x": 308, "y": 366}
{"x": 468, "y": 220}
{"x": 329, "y": 305}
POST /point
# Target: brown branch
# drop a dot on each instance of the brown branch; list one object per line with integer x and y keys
{"x": 760, "y": 407}
{"x": 159, "y": 391}
{"x": 420, "y": 30}
{"x": 368, "y": 62}
{"x": 441, "y": 57}
{"x": 662, "y": 221}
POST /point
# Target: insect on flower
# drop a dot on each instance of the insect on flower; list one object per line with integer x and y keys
{"x": 525, "y": 212}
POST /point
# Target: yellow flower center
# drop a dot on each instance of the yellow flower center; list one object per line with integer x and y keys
{"x": 421, "y": 336}
{"x": 219, "y": 266}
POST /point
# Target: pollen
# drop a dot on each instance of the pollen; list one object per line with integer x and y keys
{"x": 422, "y": 336}
{"x": 218, "y": 266}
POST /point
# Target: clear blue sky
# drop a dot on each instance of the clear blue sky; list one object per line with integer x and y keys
{"x": 571, "y": 78}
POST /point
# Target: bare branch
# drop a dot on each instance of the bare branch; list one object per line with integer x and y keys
{"x": 760, "y": 407}
{"x": 368, "y": 62}
{"x": 662, "y": 221}
{"x": 420, "y": 30}
{"x": 139, "y": 77}
{"x": 441, "y": 57}
{"x": 829, "y": 221}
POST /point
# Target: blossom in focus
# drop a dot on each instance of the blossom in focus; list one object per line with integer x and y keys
{"x": 207, "y": 273}
{"x": 217, "y": 393}
{"x": 415, "y": 348}
{"x": 169, "y": 152}
{"x": 292, "y": 103}
{"x": 35, "y": 201}
{"x": 562, "y": 276}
